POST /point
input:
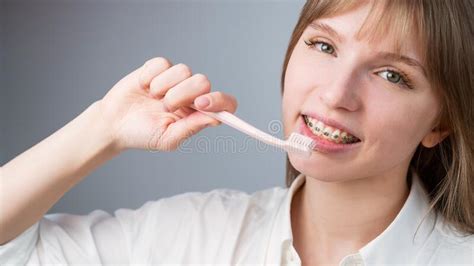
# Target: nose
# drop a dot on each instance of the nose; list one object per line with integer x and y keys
{"x": 340, "y": 91}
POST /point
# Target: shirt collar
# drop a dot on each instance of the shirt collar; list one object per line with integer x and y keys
{"x": 404, "y": 238}
{"x": 400, "y": 241}
{"x": 282, "y": 237}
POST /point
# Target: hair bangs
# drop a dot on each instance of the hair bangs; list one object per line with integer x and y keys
{"x": 395, "y": 19}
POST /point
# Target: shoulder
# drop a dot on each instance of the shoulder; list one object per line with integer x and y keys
{"x": 454, "y": 247}
{"x": 225, "y": 199}
{"x": 217, "y": 202}
{"x": 210, "y": 218}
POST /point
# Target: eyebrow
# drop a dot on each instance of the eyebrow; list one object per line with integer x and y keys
{"x": 326, "y": 28}
{"x": 384, "y": 55}
{"x": 402, "y": 59}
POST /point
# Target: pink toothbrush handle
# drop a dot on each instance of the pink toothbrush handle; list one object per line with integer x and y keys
{"x": 237, "y": 123}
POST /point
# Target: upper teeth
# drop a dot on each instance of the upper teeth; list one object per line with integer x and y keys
{"x": 320, "y": 129}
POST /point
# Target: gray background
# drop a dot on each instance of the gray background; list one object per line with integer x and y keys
{"x": 57, "y": 57}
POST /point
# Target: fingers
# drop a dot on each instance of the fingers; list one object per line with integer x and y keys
{"x": 216, "y": 101}
{"x": 168, "y": 79}
{"x": 178, "y": 88}
{"x": 151, "y": 69}
{"x": 182, "y": 129}
{"x": 185, "y": 92}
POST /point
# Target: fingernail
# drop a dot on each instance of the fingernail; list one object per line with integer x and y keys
{"x": 202, "y": 101}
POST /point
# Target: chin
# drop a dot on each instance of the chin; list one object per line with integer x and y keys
{"x": 319, "y": 170}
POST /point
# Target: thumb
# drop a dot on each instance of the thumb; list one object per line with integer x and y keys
{"x": 185, "y": 128}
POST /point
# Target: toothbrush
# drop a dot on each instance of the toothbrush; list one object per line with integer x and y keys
{"x": 295, "y": 142}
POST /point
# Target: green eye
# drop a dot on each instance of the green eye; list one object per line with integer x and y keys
{"x": 395, "y": 78}
{"x": 391, "y": 76}
{"x": 322, "y": 46}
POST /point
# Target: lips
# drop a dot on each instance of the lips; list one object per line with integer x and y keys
{"x": 322, "y": 143}
{"x": 332, "y": 123}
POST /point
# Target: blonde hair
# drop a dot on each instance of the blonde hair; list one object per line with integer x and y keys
{"x": 446, "y": 31}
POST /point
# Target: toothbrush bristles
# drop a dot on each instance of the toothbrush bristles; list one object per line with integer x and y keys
{"x": 300, "y": 142}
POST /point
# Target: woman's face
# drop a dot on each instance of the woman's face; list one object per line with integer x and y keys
{"x": 354, "y": 84}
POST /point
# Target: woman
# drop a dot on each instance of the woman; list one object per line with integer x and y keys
{"x": 384, "y": 87}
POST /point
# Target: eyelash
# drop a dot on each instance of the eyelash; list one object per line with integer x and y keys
{"x": 403, "y": 76}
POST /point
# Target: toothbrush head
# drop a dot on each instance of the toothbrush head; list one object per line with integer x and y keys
{"x": 300, "y": 143}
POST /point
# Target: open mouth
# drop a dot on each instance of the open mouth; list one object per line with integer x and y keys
{"x": 329, "y": 133}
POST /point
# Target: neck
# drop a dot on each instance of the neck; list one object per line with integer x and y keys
{"x": 339, "y": 218}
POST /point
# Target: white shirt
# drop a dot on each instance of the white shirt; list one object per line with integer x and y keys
{"x": 225, "y": 227}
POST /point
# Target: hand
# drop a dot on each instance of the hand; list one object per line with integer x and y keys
{"x": 149, "y": 108}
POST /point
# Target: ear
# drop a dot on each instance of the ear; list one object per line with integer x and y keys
{"x": 435, "y": 136}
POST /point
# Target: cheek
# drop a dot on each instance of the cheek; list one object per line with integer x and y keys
{"x": 306, "y": 70}
{"x": 291, "y": 104}
{"x": 296, "y": 87}
{"x": 397, "y": 127}
{"x": 298, "y": 78}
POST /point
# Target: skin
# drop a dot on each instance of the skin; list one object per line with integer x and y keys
{"x": 368, "y": 183}
{"x": 147, "y": 109}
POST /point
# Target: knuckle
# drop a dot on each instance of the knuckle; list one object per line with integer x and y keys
{"x": 226, "y": 99}
{"x": 169, "y": 103}
{"x": 233, "y": 105}
{"x": 160, "y": 61}
{"x": 149, "y": 68}
{"x": 184, "y": 69}
{"x": 202, "y": 81}
{"x": 148, "y": 62}
{"x": 163, "y": 62}
{"x": 142, "y": 79}
{"x": 233, "y": 100}
{"x": 218, "y": 95}
{"x": 155, "y": 86}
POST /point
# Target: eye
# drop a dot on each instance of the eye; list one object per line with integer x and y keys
{"x": 322, "y": 46}
{"x": 392, "y": 76}
{"x": 395, "y": 77}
